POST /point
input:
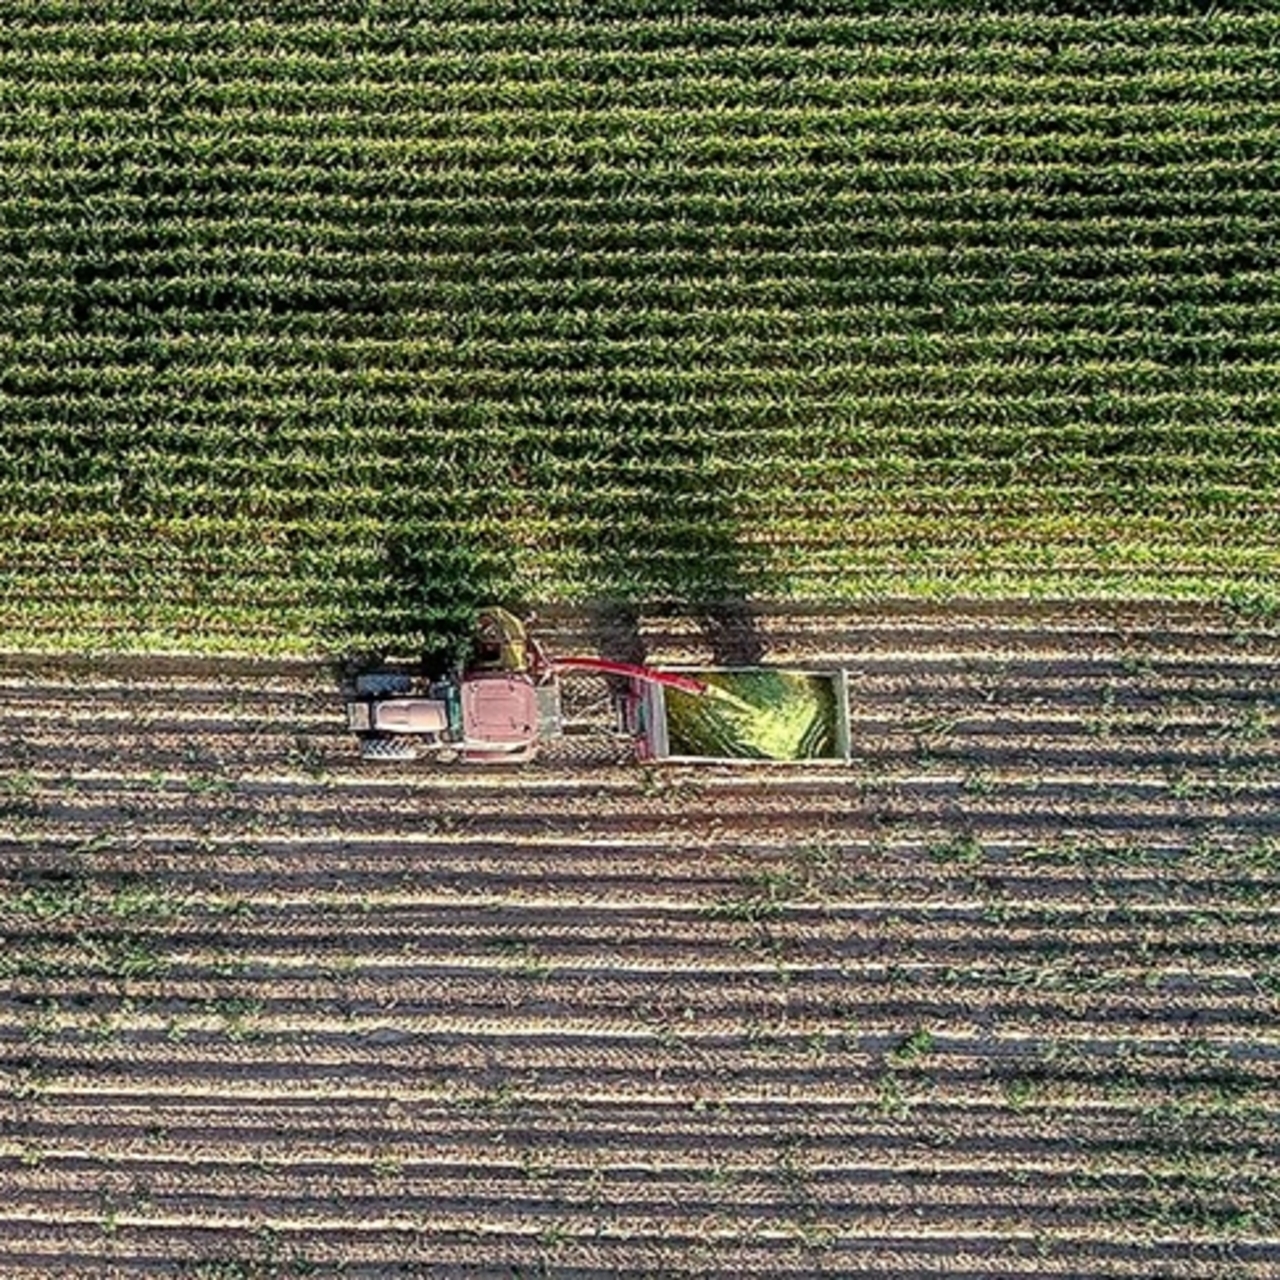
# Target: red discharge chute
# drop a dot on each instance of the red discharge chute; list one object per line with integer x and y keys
{"x": 608, "y": 667}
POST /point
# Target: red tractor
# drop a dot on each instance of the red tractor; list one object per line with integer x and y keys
{"x": 498, "y": 709}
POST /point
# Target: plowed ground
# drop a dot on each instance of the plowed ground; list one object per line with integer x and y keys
{"x": 999, "y": 999}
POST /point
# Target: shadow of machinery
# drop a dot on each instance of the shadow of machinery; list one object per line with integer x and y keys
{"x": 660, "y": 539}
{"x": 670, "y": 546}
{"x": 417, "y": 601}
{"x": 641, "y": 523}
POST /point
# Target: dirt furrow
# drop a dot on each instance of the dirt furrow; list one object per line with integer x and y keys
{"x": 665, "y": 1201}
{"x": 720, "y": 1251}
{"x": 1036, "y": 1122}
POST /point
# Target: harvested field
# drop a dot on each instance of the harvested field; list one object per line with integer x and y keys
{"x": 999, "y": 999}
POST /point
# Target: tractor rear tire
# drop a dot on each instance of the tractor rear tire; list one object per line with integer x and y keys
{"x": 387, "y": 748}
{"x": 378, "y": 683}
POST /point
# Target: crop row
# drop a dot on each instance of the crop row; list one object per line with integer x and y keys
{"x": 174, "y": 266}
{"x": 231, "y": 398}
{"x": 1104, "y": 518}
{"x": 271, "y": 99}
{"x": 952, "y": 34}
{"x": 156, "y": 325}
{"x": 337, "y": 222}
{"x": 646, "y": 167}
{"x": 874, "y": 334}
{"x": 955, "y": 210}
{"x": 713, "y": 342}
{"x": 689, "y": 306}
{"x": 313, "y": 440}
{"x": 696, "y": 378}
{"x": 345, "y": 589}
{"x": 865, "y": 339}
{"x": 375, "y": 417}
{"x": 1118, "y": 363}
{"x": 972, "y": 274}
{"x": 1131, "y": 183}
{"x": 580, "y": 487}
{"x": 228, "y": 624}
{"x": 314, "y": 446}
{"x": 172, "y": 248}
{"x": 305, "y": 380}
{"x": 552, "y": 142}
{"x": 481, "y": 114}
{"x": 615, "y": 557}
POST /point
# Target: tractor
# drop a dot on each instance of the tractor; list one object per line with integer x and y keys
{"x": 500, "y": 706}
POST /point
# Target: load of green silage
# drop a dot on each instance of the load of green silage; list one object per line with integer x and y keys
{"x": 755, "y": 715}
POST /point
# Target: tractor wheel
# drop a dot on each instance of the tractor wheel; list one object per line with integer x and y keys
{"x": 377, "y": 683}
{"x": 387, "y": 748}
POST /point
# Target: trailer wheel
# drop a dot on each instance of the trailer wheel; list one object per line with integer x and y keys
{"x": 387, "y": 748}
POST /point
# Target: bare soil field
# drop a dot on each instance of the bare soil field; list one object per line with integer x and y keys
{"x": 998, "y": 999}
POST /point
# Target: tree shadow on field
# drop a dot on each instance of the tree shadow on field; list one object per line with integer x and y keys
{"x": 653, "y": 533}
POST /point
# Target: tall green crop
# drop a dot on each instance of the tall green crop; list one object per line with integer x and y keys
{"x": 317, "y": 324}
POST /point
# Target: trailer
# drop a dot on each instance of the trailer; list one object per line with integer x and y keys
{"x": 765, "y": 714}
{"x": 505, "y": 704}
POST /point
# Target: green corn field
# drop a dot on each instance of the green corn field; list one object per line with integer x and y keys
{"x": 320, "y": 323}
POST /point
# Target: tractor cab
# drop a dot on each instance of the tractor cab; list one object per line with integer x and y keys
{"x": 510, "y": 694}
{"x": 499, "y": 717}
